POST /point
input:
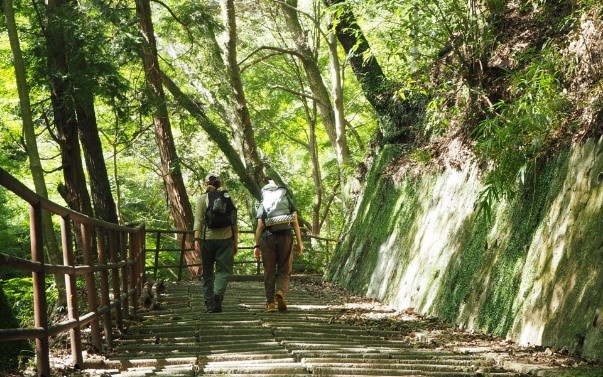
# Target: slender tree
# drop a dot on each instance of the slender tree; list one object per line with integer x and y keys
{"x": 393, "y": 112}
{"x": 220, "y": 138}
{"x": 244, "y": 126}
{"x": 177, "y": 196}
{"x": 316, "y": 84}
{"x": 35, "y": 165}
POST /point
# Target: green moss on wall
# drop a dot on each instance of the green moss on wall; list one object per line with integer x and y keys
{"x": 379, "y": 211}
{"x": 459, "y": 280}
{"x": 526, "y": 213}
{"x": 487, "y": 275}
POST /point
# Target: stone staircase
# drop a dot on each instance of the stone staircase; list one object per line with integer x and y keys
{"x": 307, "y": 340}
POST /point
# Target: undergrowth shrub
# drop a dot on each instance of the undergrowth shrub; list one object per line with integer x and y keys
{"x": 519, "y": 130}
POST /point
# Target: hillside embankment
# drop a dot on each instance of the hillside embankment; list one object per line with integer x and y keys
{"x": 533, "y": 273}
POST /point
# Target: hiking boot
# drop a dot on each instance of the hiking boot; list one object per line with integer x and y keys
{"x": 209, "y": 306}
{"x": 271, "y": 307}
{"x": 217, "y": 303}
{"x": 280, "y": 301}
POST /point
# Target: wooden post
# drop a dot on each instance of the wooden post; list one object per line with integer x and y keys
{"x": 157, "y": 246}
{"x": 113, "y": 255}
{"x": 101, "y": 241}
{"x": 39, "y": 289}
{"x": 91, "y": 287}
{"x": 132, "y": 257}
{"x": 141, "y": 234}
{"x": 182, "y": 251}
{"x": 125, "y": 304}
{"x": 73, "y": 311}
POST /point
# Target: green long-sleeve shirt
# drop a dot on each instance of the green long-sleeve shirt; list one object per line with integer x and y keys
{"x": 203, "y": 232}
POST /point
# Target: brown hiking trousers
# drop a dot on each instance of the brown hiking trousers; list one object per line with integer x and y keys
{"x": 277, "y": 259}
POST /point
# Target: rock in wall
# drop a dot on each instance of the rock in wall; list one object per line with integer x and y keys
{"x": 533, "y": 273}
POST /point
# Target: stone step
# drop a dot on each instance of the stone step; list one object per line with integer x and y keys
{"x": 198, "y": 347}
{"x": 268, "y": 368}
{"x": 344, "y": 371}
{"x": 387, "y": 361}
{"x": 374, "y": 353}
{"x": 180, "y": 339}
{"x": 377, "y": 364}
{"x": 193, "y": 334}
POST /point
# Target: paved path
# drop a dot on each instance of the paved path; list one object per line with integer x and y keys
{"x": 244, "y": 340}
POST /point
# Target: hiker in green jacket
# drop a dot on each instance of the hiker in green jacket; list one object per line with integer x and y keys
{"x": 216, "y": 240}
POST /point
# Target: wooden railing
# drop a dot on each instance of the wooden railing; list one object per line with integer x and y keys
{"x": 166, "y": 241}
{"x": 112, "y": 255}
{"x": 109, "y": 255}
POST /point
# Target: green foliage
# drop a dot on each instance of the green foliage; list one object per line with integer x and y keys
{"x": 413, "y": 34}
{"x": 422, "y": 155}
{"x": 438, "y": 113}
{"x": 12, "y": 354}
{"x": 14, "y": 231}
{"x": 20, "y": 296}
{"x": 520, "y": 130}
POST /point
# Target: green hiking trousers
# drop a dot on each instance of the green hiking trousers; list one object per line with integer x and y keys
{"x": 217, "y": 258}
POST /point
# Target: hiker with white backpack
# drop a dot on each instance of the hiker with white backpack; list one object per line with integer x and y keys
{"x": 277, "y": 217}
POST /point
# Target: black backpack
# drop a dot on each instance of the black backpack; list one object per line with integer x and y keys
{"x": 220, "y": 211}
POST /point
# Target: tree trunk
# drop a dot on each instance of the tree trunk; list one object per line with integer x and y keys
{"x": 250, "y": 151}
{"x": 180, "y": 206}
{"x": 337, "y": 93}
{"x": 315, "y": 81}
{"x": 35, "y": 165}
{"x": 102, "y": 199}
{"x": 395, "y": 115}
{"x": 316, "y": 177}
{"x": 217, "y": 136}
{"x": 75, "y": 191}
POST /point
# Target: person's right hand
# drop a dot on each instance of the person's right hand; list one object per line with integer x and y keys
{"x": 256, "y": 252}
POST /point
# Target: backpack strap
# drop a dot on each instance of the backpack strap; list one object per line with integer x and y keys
{"x": 205, "y": 214}
{"x": 232, "y": 210}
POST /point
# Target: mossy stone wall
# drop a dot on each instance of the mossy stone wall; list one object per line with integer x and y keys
{"x": 534, "y": 274}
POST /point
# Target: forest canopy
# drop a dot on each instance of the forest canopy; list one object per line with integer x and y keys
{"x": 118, "y": 109}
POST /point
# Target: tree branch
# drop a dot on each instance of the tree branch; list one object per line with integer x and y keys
{"x": 277, "y": 51}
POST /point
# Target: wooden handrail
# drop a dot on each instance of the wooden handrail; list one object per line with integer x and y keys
{"x": 116, "y": 260}
{"x": 181, "y": 249}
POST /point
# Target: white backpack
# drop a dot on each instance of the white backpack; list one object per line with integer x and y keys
{"x": 277, "y": 206}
